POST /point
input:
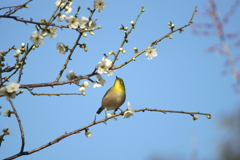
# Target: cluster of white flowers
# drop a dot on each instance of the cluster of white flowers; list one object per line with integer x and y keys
{"x": 98, "y": 5}
{"x": 151, "y": 52}
{"x": 38, "y": 38}
{"x": 10, "y": 90}
{"x": 82, "y": 88}
{"x": 68, "y": 6}
{"x": 104, "y": 66}
{"x": 59, "y": 4}
{"x": 21, "y": 50}
{"x": 74, "y": 22}
{"x": 100, "y": 81}
{"x": 128, "y": 113}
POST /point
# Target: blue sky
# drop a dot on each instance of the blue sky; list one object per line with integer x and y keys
{"x": 182, "y": 77}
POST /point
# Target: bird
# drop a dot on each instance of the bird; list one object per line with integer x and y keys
{"x": 114, "y": 97}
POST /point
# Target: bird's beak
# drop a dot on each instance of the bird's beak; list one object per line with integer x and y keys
{"x": 116, "y": 77}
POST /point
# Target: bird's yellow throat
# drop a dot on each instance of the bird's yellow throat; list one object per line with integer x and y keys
{"x": 119, "y": 85}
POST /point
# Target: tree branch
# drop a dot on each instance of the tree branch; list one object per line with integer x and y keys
{"x": 65, "y": 135}
{"x": 32, "y": 22}
{"x": 71, "y": 52}
{"x": 218, "y": 25}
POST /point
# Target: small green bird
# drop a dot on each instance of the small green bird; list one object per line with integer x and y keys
{"x": 114, "y": 97}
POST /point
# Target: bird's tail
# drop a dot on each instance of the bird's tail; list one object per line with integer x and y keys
{"x": 99, "y": 110}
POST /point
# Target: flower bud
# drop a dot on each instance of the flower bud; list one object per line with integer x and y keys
{"x": 84, "y": 34}
{"x": 88, "y": 134}
{"x": 85, "y": 49}
{"x": 208, "y": 116}
{"x": 91, "y": 32}
{"x": 121, "y": 27}
{"x": 195, "y": 117}
{"x": 111, "y": 53}
{"x": 132, "y": 23}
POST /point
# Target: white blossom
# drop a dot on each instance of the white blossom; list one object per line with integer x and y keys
{"x": 68, "y": 8}
{"x": 100, "y": 81}
{"x": 110, "y": 114}
{"x": 109, "y": 72}
{"x": 61, "y": 48}
{"x": 57, "y": 3}
{"x": 10, "y": 95}
{"x": 37, "y": 38}
{"x": 10, "y": 90}
{"x": 129, "y": 112}
{"x": 71, "y": 75}
{"x": 83, "y": 22}
{"x": 53, "y": 33}
{"x": 86, "y": 84}
{"x": 104, "y": 65}
{"x": 151, "y": 52}
{"x": 82, "y": 89}
{"x": 18, "y": 51}
{"x": 44, "y": 33}
{"x": 99, "y": 5}
{"x": 3, "y": 91}
{"x": 92, "y": 24}
{"x": 73, "y": 23}
{"x": 12, "y": 87}
{"x": 61, "y": 17}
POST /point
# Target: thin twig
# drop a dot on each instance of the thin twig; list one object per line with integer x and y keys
{"x": 68, "y": 58}
{"x": 125, "y": 38}
{"x": 32, "y": 22}
{"x": 23, "y": 62}
{"x": 51, "y": 94}
{"x": 156, "y": 41}
{"x": 16, "y": 8}
{"x": 9, "y": 77}
{"x": 20, "y": 126}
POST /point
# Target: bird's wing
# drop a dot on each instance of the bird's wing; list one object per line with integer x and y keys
{"x": 107, "y": 92}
